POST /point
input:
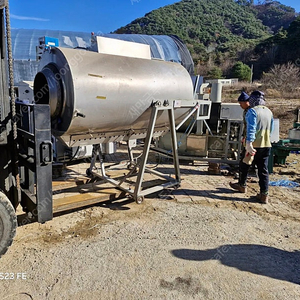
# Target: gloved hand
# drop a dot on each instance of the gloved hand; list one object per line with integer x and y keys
{"x": 250, "y": 149}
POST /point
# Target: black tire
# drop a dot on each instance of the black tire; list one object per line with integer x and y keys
{"x": 8, "y": 223}
{"x": 88, "y": 173}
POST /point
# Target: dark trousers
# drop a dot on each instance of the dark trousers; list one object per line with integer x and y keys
{"x": 261, "y": 159}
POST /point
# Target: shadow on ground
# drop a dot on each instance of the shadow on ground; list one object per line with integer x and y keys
{"x": 195, "y": 171}
{"x": 257, "y": 259}
{"x": 217, "y": 194}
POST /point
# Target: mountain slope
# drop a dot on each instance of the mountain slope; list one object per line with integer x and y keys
{"x": 282, "y": 47}
{"x": 205, "y": 25}
{"x": 221, "y": 32}
{"x": 275, "y": 15}
{"x": 221, "y": 28}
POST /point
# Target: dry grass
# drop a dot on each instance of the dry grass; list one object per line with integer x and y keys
{"x": 283, "y": 107}
{"x": 231, "y": 93}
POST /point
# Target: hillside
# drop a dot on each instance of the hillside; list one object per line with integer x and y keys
{"x": 274, "y": 15}
{"x": 285, "y": 44}
{"x": 217, "y": 32}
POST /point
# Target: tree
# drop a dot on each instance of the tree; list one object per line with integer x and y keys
{"x": 245, "y": 2}
{"x": 215, "y": 73}
{"x": 241, "y": 71}
{"x": 293, "y": 33}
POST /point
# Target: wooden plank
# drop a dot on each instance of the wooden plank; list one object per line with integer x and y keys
{"x": 81, "y": 200}
{"x": 63, "y": 183}
{"x": 75, "y": 193}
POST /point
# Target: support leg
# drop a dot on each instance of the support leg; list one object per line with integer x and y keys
{"x": 174, "y": 144}
{"x": 149, "y": 135}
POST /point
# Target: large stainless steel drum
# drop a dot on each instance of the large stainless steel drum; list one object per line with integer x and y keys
{"x": 98, "y": 97}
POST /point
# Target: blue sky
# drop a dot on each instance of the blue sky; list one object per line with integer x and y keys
{"x": 87, "y": 16}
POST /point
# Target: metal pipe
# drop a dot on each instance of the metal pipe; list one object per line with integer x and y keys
{"x": 182, "y": 122}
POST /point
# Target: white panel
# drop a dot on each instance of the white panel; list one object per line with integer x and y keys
{"x": 231, "y": 111}
{"x": 275, "y": 133}
{"x": 123, "y": 48}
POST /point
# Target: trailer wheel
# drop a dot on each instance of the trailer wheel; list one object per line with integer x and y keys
{"x": 139, "y": 199}
{"x": 8, "y": 223}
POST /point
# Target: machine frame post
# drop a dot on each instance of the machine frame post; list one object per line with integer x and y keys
{"x": 174, "y": 144}
{"x": 36, "y": 156}
{"x": 146, "y": 150}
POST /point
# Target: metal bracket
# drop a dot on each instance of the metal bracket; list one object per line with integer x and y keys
{"x": 46, "y": 152}
{"x": 236, "y": 144}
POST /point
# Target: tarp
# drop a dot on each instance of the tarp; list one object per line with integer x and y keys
{"x": 25, "y": 41}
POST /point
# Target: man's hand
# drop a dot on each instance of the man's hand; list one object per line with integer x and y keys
{"x": 250, "y": 149}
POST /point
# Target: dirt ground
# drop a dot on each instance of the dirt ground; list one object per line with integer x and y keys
{"x": 202, "y": 241}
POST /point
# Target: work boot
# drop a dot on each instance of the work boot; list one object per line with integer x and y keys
{"x": 262, "y": 198}
{"x": 238, "y": 187}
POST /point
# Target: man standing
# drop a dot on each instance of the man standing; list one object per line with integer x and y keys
{"x": 243, "y": 101}
{"x": 259, "y": 121}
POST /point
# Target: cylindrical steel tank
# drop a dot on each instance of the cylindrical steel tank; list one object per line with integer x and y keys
{"x": 94, "y": 95}
{"x": 216, "y": 92}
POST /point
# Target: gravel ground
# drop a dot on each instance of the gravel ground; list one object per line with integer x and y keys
{"x": 202, "y": 241}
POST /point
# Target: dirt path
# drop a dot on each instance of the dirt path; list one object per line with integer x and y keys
{"x": 202, "y": 241}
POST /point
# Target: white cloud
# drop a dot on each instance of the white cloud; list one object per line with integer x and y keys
{"x": 28, "y": 18}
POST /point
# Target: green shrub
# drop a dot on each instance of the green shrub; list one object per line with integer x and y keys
{"x": 241, "y": 71}
{"x": 215, "y": 73}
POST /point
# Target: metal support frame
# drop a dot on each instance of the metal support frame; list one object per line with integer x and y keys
{"x": 227, "y": 145}
{"x": 236, "y": 142}
{"x": 35, "y": 160}
{"x": 130, "y": 145}
{"x": 186, "y": 118}
{"x": 138, "y": 193}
